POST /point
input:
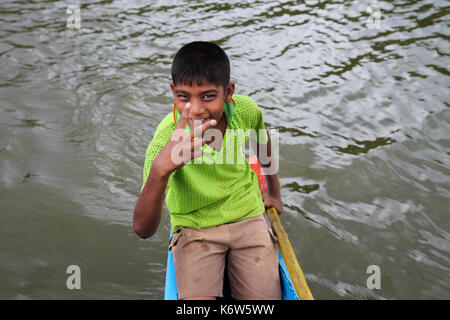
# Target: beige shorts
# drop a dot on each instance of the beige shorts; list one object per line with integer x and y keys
{"x": 250, "y": 249}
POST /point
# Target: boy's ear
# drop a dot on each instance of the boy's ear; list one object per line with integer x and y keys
{"x": 229, "y": 91}
{"x": 172, "y": 86}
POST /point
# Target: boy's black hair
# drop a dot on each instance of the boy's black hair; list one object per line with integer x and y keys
{"x": 198, "y": 61}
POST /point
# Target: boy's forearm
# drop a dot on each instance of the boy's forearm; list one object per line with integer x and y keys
{"x": 273, "y": 196}
{"x": 147, "y": 213}
{"x": 273, "y": 184}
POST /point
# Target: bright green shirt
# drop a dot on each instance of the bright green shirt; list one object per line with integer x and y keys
{"x": 211, "y": 191}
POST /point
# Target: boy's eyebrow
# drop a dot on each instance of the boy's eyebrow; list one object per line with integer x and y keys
{"x": 209, "y": 91}
{"x": 201, "y": 93}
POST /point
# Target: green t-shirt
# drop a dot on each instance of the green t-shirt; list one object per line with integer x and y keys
{"x": 211, "y": 191}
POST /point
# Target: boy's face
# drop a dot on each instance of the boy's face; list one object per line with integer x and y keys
{"x": 206, "y": 100}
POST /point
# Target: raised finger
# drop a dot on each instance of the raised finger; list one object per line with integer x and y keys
{"x": 198, "y": 131}
{"x": 197, "y": 150}
{"x": 184, "y": 117}
{"x": 197, "y": 143}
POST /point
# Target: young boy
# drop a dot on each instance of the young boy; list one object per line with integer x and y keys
{"x": 216, "y": 207}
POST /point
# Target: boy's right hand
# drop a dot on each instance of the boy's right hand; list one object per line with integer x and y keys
{"x": 183, "y": 146}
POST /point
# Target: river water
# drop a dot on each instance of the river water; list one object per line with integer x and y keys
{"x": 361, "y": 104}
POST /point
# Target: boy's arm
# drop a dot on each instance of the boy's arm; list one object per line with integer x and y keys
{"x": 179, "y": 150}
{"x": 147, "y": 212}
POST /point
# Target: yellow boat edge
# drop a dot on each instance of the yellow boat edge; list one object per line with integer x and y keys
{"x": 295, "y": 271}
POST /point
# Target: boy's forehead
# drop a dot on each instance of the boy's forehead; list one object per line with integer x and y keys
{"x": 196, "y": 87}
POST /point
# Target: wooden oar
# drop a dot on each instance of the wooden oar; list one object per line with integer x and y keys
{"x": 295, "y": 271}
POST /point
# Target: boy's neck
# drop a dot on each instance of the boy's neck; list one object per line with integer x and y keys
{"x": 223, "y": 123}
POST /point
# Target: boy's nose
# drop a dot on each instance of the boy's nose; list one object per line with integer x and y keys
{"x": 196, "y": 109}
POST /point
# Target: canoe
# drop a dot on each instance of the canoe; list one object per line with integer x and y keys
{"x": 293, "y": 283}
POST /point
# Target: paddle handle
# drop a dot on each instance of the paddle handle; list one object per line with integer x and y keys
{"x": 295, "y": 271}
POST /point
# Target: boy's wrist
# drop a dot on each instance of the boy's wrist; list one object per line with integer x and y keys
{"x": 274, "y": 194}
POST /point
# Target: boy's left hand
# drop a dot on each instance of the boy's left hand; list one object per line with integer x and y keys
{"x": 273, "y": 201}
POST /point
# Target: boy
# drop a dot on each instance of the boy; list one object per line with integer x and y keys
{"x": 216, "y": 207}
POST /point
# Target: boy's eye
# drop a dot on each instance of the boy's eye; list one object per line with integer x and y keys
{"x": 208, "y": 96}
{"x": 182, "y": 96}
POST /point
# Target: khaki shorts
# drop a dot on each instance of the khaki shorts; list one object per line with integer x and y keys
{"x": 250, "y": 249}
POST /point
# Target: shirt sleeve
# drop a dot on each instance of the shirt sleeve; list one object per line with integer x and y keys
{"x": 162, "y": 135}
{"x": 254, "y": 119}
{"x": 260, "y": 128}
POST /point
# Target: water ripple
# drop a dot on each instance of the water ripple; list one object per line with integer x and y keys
{"x": 362, "y": 114}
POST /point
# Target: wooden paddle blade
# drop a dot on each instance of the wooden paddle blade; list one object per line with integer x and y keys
{"x": 295, "y": 271}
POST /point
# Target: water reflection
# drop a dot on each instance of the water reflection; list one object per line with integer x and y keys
{"x": 362, "y": 114}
